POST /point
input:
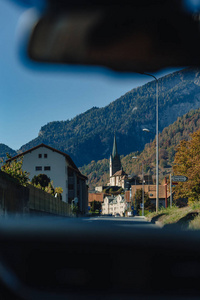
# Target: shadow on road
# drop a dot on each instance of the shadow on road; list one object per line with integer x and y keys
{"x": 129, "y": 222}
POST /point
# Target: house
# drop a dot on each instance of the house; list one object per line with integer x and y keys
{"x": 151, "y": 191}
{"x": 114, "y": 205}
{"x": 98, "y": 197}
{"x": 99, "y": 189}
{"x": 60, "y": 168}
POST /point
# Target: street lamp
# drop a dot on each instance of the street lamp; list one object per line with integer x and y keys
{"x": 135, "y": 157}
{"x": 146, "y": 130}
{"x": 157, "y": 162}
{"x": 142, "y": 187}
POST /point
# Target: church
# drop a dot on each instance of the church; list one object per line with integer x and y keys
{"x": 117, "y": 175}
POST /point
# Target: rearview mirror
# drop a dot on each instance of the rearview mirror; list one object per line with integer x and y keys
{"x": 128, "y": 37}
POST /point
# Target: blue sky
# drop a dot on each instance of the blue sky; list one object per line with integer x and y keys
{"x": 32, "y": 97}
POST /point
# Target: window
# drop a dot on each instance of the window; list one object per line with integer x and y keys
{"x": 71, "y": 187}
{"x": 39, "y": 155}
{"x": 45, "y": 155}
{"x": 70, "y": 172}
{"x": 47, "y": 168}
{"x": 38, "y": 168}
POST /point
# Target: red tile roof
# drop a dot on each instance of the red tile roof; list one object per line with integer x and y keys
{"x": 95, "y": 197}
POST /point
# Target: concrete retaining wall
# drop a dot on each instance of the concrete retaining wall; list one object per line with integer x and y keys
{"x": 17, "y": 200}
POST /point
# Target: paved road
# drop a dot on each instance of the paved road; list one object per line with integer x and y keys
{"x": 134, "y": 222}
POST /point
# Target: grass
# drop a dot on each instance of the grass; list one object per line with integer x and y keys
{"x": 186, "y": 218}
{"x": 196, "y": 205}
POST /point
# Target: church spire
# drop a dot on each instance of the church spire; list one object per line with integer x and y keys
{"x": 114, "y": 152}
{"x": 115, "y": 162}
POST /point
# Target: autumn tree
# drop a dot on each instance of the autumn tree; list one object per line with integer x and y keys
{"x": 147, "y": 202}
{"x": 14, "y": 169}
{"x": 187, "y": 163}
{"x": 58, "y": 191}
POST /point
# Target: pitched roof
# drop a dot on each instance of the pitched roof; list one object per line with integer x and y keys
{"x": 68, "y": 158}
{"x": 120, "y": 173}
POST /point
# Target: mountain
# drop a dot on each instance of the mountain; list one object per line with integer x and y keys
{"x": 89, "y": 136}
{"x": 98, "y": 172}
{"x": 5, "y": 149}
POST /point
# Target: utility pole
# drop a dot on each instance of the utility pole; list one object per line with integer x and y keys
{"x": 170, "y": 190}
{"x": 135, "y": 197}
{"x": 165, "y": 192}
{"x": 142, "y": 189}
{"x": 157, "y": 143}
{"x": 135, "y": 157}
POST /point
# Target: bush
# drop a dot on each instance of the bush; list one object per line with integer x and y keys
{"x": 42, "y": 179}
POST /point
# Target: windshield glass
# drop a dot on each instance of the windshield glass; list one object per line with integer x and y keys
{"x": 115, "y": 134}
{"x": 100, "y": 149}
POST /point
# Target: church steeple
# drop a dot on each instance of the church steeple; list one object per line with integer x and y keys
{"x": 114, "y": 152}
{"x": 115, "y": 162}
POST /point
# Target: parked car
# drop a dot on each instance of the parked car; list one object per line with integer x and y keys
{"x": 117, "y": 215}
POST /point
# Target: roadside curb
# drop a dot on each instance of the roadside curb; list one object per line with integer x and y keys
{"x": 159, "y": 224}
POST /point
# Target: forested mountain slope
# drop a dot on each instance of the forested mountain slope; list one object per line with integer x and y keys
{"x": 5, "y": 149}
{"x": 89, "y": 136}
{"x": 98, "y": 172}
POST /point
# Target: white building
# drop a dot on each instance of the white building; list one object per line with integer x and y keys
{"x": 114, "y": 205}
{"x": 119, "y": 179}
{"x": 60, "y": 168}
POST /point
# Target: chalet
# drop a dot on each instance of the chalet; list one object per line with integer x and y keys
{"x": 60, "y": 168}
